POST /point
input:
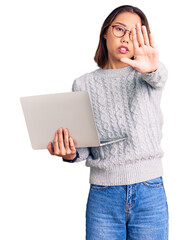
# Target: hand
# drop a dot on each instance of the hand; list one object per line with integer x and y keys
{"x": 64, "y": 149}
{"x": 146, "y": 55}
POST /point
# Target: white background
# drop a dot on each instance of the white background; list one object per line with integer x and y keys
{"x": 44, "y": 46}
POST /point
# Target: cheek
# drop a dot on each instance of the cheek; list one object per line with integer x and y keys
{"x": 112, "y": 43}
{"x": 131, "y": 49}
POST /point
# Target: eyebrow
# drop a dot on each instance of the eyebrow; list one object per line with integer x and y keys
{"x": 121, "y": 24}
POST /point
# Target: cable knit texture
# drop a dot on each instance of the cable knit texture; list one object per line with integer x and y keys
{"x": 125, "y": 103}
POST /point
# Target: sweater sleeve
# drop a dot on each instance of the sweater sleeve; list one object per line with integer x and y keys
{"x": 82, "y": 153}
{"x": 158, "y": 78}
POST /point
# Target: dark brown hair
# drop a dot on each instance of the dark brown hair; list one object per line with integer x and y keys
{"x": 101, "y": 55}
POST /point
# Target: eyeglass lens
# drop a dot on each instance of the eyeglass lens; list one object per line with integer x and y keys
{"x": 119, "y": 31}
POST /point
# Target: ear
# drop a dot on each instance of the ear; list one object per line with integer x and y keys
{"x": 105, "y": 36}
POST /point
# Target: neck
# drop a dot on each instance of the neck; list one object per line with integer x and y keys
{"x": 114, "y": 65}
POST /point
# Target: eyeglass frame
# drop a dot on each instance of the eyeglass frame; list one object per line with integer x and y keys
{"x": 122, "y": 27}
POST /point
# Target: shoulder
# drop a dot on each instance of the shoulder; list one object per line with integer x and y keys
{"x": 80, "y": 81}
{"x": 85, "y": 77}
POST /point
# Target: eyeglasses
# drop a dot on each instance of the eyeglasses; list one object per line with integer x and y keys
{"x": 119, "y": 31}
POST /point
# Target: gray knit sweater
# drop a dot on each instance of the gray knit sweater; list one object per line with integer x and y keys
{"x": 124, "y": 102}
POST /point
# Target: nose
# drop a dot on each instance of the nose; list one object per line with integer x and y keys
{"x": 126, "y": 37}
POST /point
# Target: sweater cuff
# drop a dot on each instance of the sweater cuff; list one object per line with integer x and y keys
{"x": 153, "y": 71}
{"x": 156, "y": 78}
{"x": 149, "y": 76}
{"x": 73, "y": 160}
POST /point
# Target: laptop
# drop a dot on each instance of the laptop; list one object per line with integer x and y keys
{"x": 44, "y": 114}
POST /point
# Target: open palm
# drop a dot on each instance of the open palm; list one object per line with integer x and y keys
{"x": 146, "y": 54}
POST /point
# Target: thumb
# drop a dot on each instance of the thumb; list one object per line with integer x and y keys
{"x": 128, "y": 61}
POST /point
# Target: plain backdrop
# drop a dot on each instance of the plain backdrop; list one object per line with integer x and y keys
{"x": 44, "y": 46}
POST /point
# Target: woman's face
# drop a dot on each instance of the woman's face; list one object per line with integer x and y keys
{"x": 115, "y": 45}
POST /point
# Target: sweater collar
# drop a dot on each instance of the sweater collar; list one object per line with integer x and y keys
{"x": 114, "y": 72}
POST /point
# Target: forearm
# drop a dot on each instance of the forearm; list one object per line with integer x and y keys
{"x": 156, "y": 78}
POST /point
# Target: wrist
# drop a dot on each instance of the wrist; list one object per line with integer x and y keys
{"x": 152, "y": 71}
{"x": 72, "y": 160}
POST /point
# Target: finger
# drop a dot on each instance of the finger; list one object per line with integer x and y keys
{"x": 55, "y": 141}
{"x": 50, "y": 148}
{"x": 152, "y": 40}
{"x": 134, "y": 37}
{"x": 145, "y": 34}
{"x": 128, "y": 61}
{"x": 66, "y": 141}
{"x": 60, "y": 141}
{"x": 139, "y": 34}
{"x": 72, "y": 146}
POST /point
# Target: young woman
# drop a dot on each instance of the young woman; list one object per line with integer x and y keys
{"x": 127, "y": 198}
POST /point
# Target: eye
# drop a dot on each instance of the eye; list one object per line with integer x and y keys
{"x": 120, "y": 29}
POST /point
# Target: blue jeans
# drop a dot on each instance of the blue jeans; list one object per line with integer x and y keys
{"x": 128, "y": 212}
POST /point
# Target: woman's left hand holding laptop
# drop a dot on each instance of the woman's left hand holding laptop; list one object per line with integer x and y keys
{"x": 63, "y": 145}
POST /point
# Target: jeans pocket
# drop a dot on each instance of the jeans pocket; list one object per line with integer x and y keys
{"x": 154, "y": 183}
{"x": 99, "y": 187}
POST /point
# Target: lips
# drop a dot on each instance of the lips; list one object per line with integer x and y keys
{"x": 123, "y": 49}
